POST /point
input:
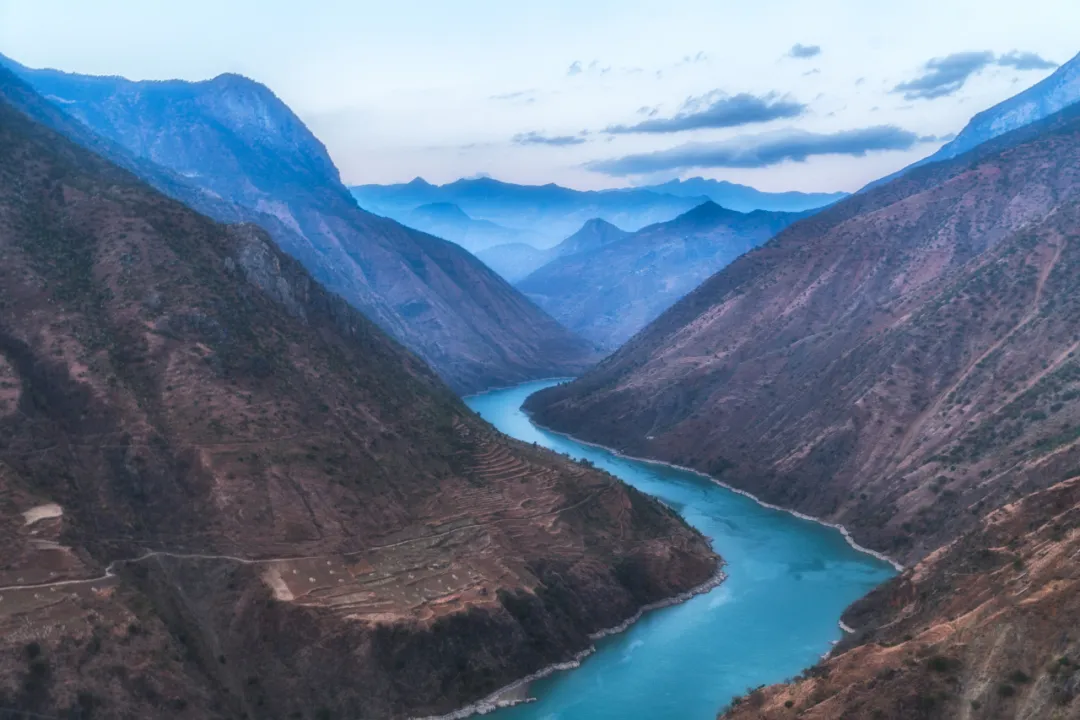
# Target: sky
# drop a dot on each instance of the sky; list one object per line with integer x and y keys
{"x": 778, "y": 94}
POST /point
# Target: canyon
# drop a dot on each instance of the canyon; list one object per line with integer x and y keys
{"x": 224, "y": 492}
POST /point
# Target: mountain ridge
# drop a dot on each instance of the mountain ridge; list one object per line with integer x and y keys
{"x": 253, "y": 160}
{"x": 218, "y": 474}
{"x": 802, "y": 372}
{"x": 610, "y": 291}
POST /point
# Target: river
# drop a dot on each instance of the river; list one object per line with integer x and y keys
{"x": 788, "y": 581}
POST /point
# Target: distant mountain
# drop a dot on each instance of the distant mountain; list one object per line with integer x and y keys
{"x": 514, "y": 261}
{"x": 233, "y": 150}
{"x": 547, "y": 213}
{"x": 745, "y": 198}
{"x": 226, "y": 493}
{"x": 901, "y": 362}
{"x": 593, "y": 235}
{"x": 450, "y": 222}
{"x": 617, "y": 283}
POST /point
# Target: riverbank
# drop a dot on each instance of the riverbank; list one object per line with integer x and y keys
{"x": 516, "y": 692}
{"x": 785, "y": 585}
{"x": 662, "y": 463}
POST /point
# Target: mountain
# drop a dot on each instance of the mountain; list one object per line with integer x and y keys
{"x": 617, "y": 283}
{"x": 901, "y": 362}
{"x": 450, "y": 222}
{"x": 745, "y": 198}
{"x": 1051, "y": 95}
{"x": 546, "y": 213}
{"x": 226, "y": 493}
{"x": 515, "y": 261}
{"x": 981, "y": 629}
{"x": 231, "y": 149}
{"x": 593, "y": 235}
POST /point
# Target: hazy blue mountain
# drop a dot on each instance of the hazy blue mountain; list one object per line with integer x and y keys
{"x": 745, "y": 198}
{"x": 450, "y": 222}
{"x": 593, "y": 235}
{"x": 548, "y": 213}
{"x": 514, "y": 261}
{"x": 610, "y": 290}
{"x": 230, "y": 148}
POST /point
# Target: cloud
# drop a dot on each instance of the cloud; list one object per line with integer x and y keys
{"x": 575, "y": 68}
{"x": 943, "y": 76}
{"x": 525, "y": 96}
{"x": 798, "y": 50}
{"x": 756, "y": 151}
{"x": 535, "y": 138}
{"x": 716, "y": 110}
{"x": 1025, "y": 61}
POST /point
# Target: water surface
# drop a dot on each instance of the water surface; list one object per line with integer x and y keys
{"x": 788, "y": 582}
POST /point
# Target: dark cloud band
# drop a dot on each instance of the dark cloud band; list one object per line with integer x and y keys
{"x": 757, "y": 151}
{"x": 725, "y": 112}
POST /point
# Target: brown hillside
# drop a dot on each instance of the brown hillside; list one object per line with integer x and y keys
{"x": 225, "y": 493}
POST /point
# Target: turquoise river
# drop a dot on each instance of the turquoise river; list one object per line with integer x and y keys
{"x": 788, "y": 581}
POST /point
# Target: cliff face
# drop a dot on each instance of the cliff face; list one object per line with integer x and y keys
{"x": 225, "y": 492}
{"x": 608, "y": 287}
{"x": 231, "y": 149}
{"x": 900, "y": 362}
{"x": 983, "y": 628}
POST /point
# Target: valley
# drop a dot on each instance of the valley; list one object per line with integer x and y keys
{"x": 730, "y": 375}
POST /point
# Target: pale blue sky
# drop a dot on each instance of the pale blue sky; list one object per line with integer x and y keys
{"x": 441, "y": 89}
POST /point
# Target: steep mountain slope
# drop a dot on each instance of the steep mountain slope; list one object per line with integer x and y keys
{"x": 899, "y": 362}
{"x": 252, "y": 159}
{"x": 549, "y": 213}
{"x": 224, "y": 492}
{"x": 1043, "y": 99}
{"x": 516, "y": 261}
{"x": 983, "y": 629}
{"x": 615, "y": 286}
{"x": 745, "y": 198}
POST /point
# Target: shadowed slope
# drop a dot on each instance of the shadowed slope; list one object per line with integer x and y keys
{"x": 224, "y": 491}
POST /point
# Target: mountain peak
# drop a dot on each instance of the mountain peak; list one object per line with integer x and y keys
{"x": 418, "y": 182}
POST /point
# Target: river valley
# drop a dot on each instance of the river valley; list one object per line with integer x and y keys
{"x": 788, "y": 581}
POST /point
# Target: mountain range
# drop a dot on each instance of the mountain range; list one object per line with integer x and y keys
{"x": 744, "y": 198}
{"x": 515, "y": 261}
{"x": 227, "y": 493}
{"x": 548, "y": 213}
{"x": 450, "y": 222}
{"x": 231, "y": 149}
{"x": 607, "y": 287}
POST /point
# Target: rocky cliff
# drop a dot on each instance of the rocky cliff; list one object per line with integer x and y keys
{"x": 231, "y": 149}
{"x": 225, "y": 493}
